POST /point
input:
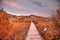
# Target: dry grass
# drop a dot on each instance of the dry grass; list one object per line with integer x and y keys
{"x": 11, "y": 29}
{"x": 15, "y": 27}
{"x": 56, "y": 18}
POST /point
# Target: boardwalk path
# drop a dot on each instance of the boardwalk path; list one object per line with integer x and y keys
{"x": 33, "y": 33}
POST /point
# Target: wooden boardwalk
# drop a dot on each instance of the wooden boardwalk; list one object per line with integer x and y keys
{"x": 33, "y": 33}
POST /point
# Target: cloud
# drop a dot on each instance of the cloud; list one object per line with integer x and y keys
{"x": 46, "y": 3}
{"x": 58, "y": 1}
{"x": 13, "y": 4}
{"x": 30, "y": 6}
{"x": 39, "y": 3}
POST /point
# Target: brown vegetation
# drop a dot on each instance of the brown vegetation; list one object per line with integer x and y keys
{"x": 15, "y": 27}
{"x": 56, "y": 18}
{"x": 12, "y": 28}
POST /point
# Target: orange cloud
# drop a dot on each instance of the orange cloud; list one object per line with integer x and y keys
{"x": 5, "y": 1}
{"x": 13, "y": 4}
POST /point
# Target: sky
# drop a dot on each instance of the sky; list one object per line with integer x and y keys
{"x": 28, "y": 7}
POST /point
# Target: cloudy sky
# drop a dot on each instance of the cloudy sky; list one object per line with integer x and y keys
{"x": 27, "y": 7}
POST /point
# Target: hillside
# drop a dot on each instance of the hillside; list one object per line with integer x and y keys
{"x": 14, "y": 27}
